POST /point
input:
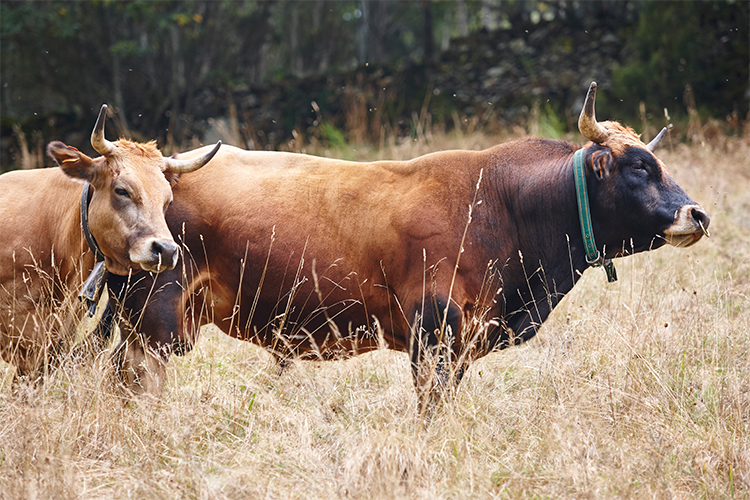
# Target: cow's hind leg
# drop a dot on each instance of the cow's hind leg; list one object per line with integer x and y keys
{"x": 34, "y": 362}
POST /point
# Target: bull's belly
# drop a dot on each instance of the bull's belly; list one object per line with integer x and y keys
{"x": 342, "y": 329}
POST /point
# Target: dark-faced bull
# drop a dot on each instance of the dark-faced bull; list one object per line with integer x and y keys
{"x": 44, "y": 256}
{"x": 447, "y": 256}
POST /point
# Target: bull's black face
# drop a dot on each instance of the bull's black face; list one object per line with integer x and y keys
{"x": 637, "y": 206}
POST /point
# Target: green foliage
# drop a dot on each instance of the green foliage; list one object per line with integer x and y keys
{"x": 550, "y": 124}
{"x": 333, "y": 135}
{"x": 165, "y": 66}
{"x": 675, "y": 44}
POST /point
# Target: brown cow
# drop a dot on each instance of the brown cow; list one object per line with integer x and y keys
{"x": 44, "y": 255}
{"x": 447, "y": 256}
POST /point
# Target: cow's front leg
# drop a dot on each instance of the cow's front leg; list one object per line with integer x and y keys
{"x": 38, "y": 349}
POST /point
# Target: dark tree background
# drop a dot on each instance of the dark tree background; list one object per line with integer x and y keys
{"x": 267, "y": 72}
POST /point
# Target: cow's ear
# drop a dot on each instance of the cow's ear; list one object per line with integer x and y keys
{"x": 601, "y": 163}
{"x": 172, "y": 177}
{"x": 73, "y": 162}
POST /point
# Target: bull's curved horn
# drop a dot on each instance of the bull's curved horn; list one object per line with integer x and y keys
{"x": 587, "y": 124}
{"x": 651, "y": 146}
{"x": 98, "y": 142}
{"x": 185, "y": 166}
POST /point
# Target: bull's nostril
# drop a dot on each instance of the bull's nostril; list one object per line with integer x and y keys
{"x": 700, "y": 217}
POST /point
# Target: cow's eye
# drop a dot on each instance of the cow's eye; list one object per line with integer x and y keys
{"x": 122, "y": 192}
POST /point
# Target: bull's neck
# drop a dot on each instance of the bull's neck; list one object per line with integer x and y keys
{"x": 538, "y": 195}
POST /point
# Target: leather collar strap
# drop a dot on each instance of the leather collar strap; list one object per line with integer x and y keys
{"x": 85, "y": 200}
{"x": 92, "y": 288}
{"x": 594, "y": 258}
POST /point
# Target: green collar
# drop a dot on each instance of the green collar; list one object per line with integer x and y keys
{"x": 593, "y": 257}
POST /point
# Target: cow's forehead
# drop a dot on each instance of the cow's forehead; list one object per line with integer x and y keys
{"x": 133, "y": 158}
{"x": 663, "y": 167}
{"x": 128, "y": 151}
{"x": 142, "y": 164}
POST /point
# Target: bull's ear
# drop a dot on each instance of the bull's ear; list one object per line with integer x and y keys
{"x": 601, "y": 163}
{"x": 73, "y": 162}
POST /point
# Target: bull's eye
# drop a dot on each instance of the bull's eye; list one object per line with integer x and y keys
{"x": 122, "y": 192}
{"x": 639, "y": 165}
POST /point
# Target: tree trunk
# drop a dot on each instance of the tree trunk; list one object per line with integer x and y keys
{"x": 445, "y": 39}
{"x": 429, "y": 50}
{"x": 462, "y": 18}
{"x": 119, "y": 111}
{"x": 363, "y": 32}
{"x": 294, "y": 56}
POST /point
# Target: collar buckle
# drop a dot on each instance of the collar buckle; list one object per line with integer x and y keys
{"x": 596, "y": 262}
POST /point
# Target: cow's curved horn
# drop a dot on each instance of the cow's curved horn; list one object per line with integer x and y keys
{"x": 587, "y": 124}
{"x": 98, "y": 142}
{"x": 651, "y": 146}
{"x": 185, "y": 166}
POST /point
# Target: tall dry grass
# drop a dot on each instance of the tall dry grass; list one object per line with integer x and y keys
{"x": 638, "y": 389}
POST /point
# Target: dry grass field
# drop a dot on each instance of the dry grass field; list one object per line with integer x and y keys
{"x": 637, "y": 389}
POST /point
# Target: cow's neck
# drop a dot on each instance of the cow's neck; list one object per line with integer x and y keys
{"x": 68, "y": 239}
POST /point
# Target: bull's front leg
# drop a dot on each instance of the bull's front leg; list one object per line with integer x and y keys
{"x": 141, "y": 367}
{"x": 524, "y": 320}
{"x": 437, "y": 368}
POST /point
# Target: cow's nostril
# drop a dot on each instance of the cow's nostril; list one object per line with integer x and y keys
{"x": 157, "y": 248}
{"x": 166, "y": 250}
